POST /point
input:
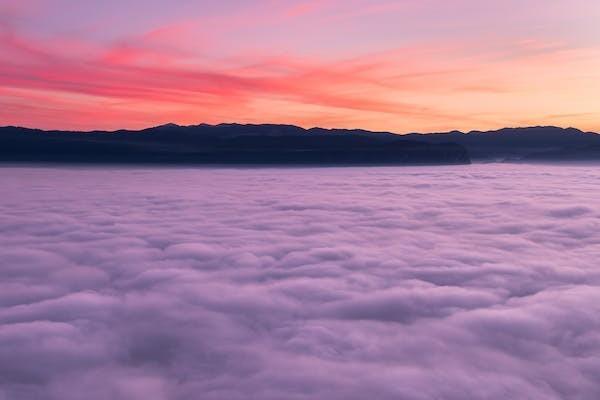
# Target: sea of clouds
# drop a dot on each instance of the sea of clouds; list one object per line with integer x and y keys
{"x": 470, "y": 282}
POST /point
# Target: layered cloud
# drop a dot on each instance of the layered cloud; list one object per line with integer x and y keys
{"x": 347, "y": 283}
{"x": 382, "y": 65}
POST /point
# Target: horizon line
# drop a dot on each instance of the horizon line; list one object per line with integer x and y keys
{"x": 299, "y": 127}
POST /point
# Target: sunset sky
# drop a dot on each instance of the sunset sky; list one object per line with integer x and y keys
{"x": 402, "y": 65}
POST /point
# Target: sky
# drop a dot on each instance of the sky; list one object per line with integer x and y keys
{"x": 401, "y": 66}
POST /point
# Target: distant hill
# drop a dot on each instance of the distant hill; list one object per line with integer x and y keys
{"x": 541, "y": 143}
{"x": 288, "y": 144}
{"x": 225, "y": 144}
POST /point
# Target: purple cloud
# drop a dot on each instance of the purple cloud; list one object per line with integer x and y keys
{"x": 339, "y": 283}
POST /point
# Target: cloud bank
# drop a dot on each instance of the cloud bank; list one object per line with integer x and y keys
{"x": 349, "y": 283}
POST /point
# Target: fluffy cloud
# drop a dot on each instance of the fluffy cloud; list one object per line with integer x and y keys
{"x": 339, "y": 283}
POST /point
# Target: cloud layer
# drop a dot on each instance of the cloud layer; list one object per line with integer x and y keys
{"x": 341, "y": 283}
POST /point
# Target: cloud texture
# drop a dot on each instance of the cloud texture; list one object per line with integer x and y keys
{"x": 341, "y": 283}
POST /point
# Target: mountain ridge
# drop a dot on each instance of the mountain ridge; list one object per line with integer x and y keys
{"x": 255, "y": 143}
{"x": 223, "y": 144}
{"x": 173, "y": 125}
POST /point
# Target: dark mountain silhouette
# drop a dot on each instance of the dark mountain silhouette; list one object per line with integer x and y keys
{"x": 288, "y": 144}
{"x": 224, "y": 144}
{"x": 540, "y": 143}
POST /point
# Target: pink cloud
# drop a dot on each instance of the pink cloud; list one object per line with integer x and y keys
{"x": 426, "y": 283}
